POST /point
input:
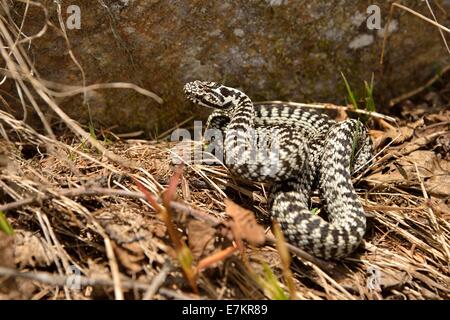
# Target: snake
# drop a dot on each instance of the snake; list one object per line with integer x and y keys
{"x": 297, "y": 151}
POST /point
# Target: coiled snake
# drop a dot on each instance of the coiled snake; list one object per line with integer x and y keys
{"x": 297, "y": 150}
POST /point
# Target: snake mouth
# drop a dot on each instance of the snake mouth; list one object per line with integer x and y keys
{"x": 194, "y": 90}
{"x": 187, "y": 89}
{"x": 199, "y": 87}
{"x": 190, "y": 86}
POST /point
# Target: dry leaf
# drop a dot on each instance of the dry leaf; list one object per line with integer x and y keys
{"x": 393, "y": 279}
{"x": 200, "y": 238}
{"x": 8, "y": 286}
{"x": 31, "y": 250}
{"x": 400, "y": 135}
{"x": 442, "y": 116}
{"x": 443, "y": 146}
{"x": 12, "y": 288}
{"x": 378, "y": 278}
{"x": 130, "y": 256}
{"x": 440, "y": 208}
{"x": 434, "y": 172}
{"x": 244, "y": 224}
{"x": 376, "y": 134}
{"x": 6, "y": 250}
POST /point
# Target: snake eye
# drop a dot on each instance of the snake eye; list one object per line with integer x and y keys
{"x": 205, "y": 93}
{"x": 211, "y": 84}
{"x": 212, "y": 100}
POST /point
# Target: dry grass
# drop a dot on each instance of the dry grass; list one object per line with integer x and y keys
{"x": 73, "y": 205}
{"x": 78, "y": 203}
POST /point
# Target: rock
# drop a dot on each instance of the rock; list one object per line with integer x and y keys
{"x": 273, "y": 49}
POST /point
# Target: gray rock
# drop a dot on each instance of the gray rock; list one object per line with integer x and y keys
{"x": 273, "y": 49}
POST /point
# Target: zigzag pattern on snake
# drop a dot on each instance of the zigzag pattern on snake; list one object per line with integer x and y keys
{"x": 297, "y": 150}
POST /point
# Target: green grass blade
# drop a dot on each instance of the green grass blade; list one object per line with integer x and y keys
{"x": 92, "y": 131}
{"x": 370, "y": 102}
{"x": 272, "y": 285}
{"x": 4, "y": 225}
{"x": 351, "y": 95}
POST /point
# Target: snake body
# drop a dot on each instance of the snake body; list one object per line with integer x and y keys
{"x": 297, "y": 150}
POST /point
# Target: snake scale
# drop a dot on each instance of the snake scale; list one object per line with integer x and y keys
{"x": 297, "y": 150}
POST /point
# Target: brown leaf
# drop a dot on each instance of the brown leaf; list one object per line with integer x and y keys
{"x": 393, "y": 278}
{"x": 442, "y": 116}
{"x": 201, "y": 238}
{"x": 8, "y": 286}
{"x": 379, "y": 278}
{"x": 244, "y": 224}
{"x": 6, "y": 250}
{"x": 130, "y": 256}
{"x": 12, "y": 288}
{"x": 31, "y": 250}
{"x": 443, "y": 145}
{"x": 434, "y": 172}
{"x": 399, "y": 135}
{"x": 440, "y": 208}
{"x": 376, "y": 134}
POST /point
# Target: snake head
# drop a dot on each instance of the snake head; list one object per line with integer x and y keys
{"x": 208, "y": 94}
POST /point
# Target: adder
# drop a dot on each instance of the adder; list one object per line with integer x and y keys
{"x": 296, "y": 150}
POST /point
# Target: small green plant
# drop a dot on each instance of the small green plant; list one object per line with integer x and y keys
{"x": 351, "y": 95}
{"x": 106, "y": 140}
{"x": 271, "y": 284}
{"x": 84, "y": 146}
{"x": 72, "y": 156}
{"x": 92, "y": 130}
{"x": 4, "y": 224}
{"x": 369, "y": 102}
{"x": 107, "y": 136}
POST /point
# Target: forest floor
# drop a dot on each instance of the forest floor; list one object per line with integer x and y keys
{"x": 68, "y": 209}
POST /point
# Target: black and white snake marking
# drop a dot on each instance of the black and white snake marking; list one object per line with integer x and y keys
{"x": 297, "y": 150}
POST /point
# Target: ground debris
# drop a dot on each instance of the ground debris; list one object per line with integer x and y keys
{"x": 73, "y": 210}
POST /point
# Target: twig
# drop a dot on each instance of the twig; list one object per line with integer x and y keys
{"x": 440, "y": 26}
{"x": 112, "y": 85}
{"x": 60, "y": 281}
{"x": 70, "y": 193}
{"x": 412, "y": 93}
{"x": 118, "y": 293}
{"x": 216, "y": 257}
{"x": 74, "y": 90}
{"x": 57, "y": 258}
{"x": 12, "y": 66}
{"x": 326, "y": 277}
{"x": 138, "y": 195}
{"x": 391, "y": 11}
{"x": 157, "y": 282}
{"x": 199, "y": 215}
{"x": 440, "y": 30}
{"x": 179, "y": 295}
